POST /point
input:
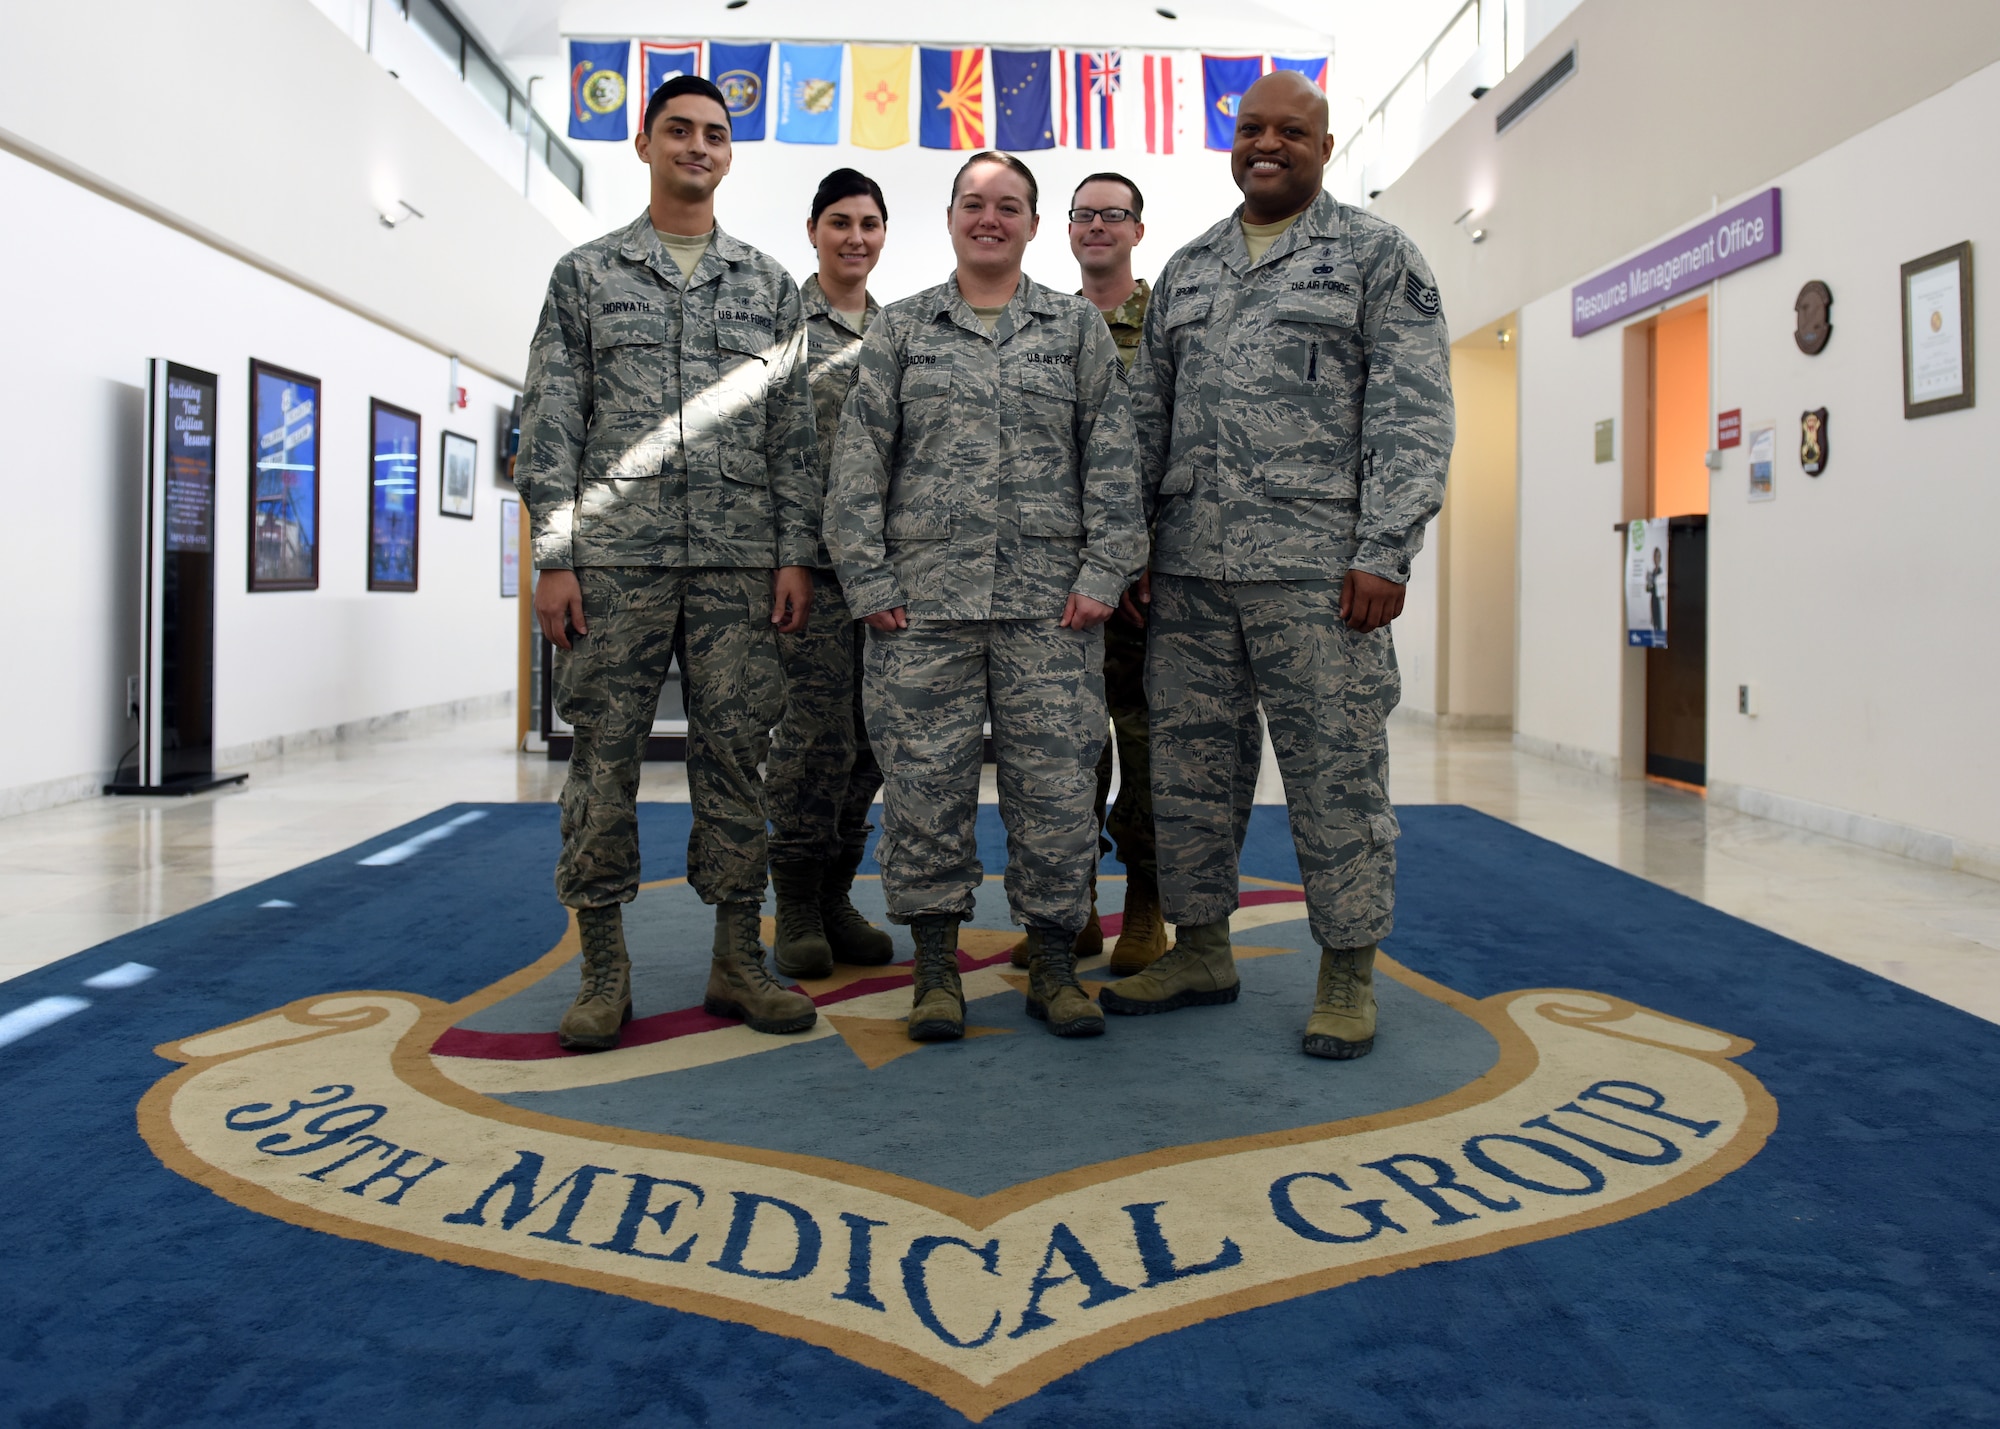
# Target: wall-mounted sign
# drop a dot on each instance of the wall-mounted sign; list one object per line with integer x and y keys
{"x": 1722, "y": 244}
{"x": 1764, "y": 461}
{"x": 1812, "y": 441}
{"x": 1646, "y": 583}
{"x": 1729, "y": 428}
{"x": 1813, "y": 308}
{"x": 1937, "y": 332}
{"x": 1602, "y": 438}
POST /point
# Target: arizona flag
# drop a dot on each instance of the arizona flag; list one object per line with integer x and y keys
{"x": 1312, "y": 69}
{"x": 1224, "y": 81}
{"x": 597, "y": 88}
{"x": 1162, "y": 112}
{"x": 881, "y": 107}
{"x": 952, "y": 108}
{"x": 1099, "y": 77}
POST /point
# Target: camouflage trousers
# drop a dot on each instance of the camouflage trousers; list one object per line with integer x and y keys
{"x": 1219, "y": 649}
{"x": 927, "y": 691}
{"x": 821, "y": 776}
{"x": 608, "y": 688}
{"x": 1130, "y": 819}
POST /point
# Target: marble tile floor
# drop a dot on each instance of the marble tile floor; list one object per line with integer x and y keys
{"x": 73, "y": 876}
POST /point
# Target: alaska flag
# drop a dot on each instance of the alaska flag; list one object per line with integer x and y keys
{"x": 742, "y": 73}
{"x": 1023, "y": 116}
{"x": 951, "y": 100}
{"x": 808, "y": 94}
{"x": 1223, "y": 82}
{"x": 597, "y": 88}
{"x": 1312, "y": 69}
{"x": 661, "y": 63}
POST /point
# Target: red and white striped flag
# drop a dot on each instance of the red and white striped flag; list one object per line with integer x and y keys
{"x": 1161, "y": 111}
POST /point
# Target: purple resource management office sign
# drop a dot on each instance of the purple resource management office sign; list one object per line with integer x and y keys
{"x": 1732, "y": 239}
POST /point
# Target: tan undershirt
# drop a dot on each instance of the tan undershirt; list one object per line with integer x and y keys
{"x": 989, "y": 318}
{"x": 857, "y": 318}
{"x": 1258, "y": 237}
{"x": 686, "y": 251}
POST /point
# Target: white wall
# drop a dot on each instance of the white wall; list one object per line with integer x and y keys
{"x": 1860, "y": 603}
{"x": 110, "y": 289}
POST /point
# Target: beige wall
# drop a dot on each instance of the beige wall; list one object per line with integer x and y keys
{"x": 1668, "y": 109}
{"x": 1476, "y": 538}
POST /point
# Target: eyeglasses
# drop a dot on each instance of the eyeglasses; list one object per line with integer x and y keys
{"x": 1109, "y": 215}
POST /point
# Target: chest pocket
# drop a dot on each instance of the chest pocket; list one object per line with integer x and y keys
{"x": 628, "y": 351}
{"x": 929, "y": 380}
{"x": 1311, "y": 334}
{"x": 1045, "y": 379}
{"x": 1188, "y": 319}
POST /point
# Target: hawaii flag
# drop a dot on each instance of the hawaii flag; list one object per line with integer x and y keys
{"x": 881, "y": 106}
{"x": 952, "y": 108}
{"x": 1098, "y": 79}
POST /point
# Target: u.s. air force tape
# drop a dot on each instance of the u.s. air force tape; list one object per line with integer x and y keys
{"x": 1424, "y": 300}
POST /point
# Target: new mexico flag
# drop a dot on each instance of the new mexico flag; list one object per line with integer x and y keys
{"x": 881, "y": 96}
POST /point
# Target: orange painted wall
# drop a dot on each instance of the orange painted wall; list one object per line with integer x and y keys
{"x": 1680, "y": 412}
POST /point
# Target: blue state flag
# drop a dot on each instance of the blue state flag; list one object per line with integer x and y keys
{"x": 1313, "y": 69}
{"x": 664, "y": 62}
{"x": 742, "y": 73}
{"x": 1023, "y": 114}
{"x": 808, "y": 94}
{"x": 1224, "y": 80}
{"x": 597, "y": 88}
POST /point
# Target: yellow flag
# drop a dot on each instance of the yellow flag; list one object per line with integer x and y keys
{"x": 881, "y": 96}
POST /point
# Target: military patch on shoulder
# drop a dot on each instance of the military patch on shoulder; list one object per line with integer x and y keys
{"x": 1424, "y": 300}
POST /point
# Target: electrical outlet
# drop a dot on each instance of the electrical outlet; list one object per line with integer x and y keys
{"x": 131, "y": 697}
{"x": 1746, "y": 700}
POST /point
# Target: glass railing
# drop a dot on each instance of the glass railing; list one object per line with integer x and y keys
{"x": 442, "y": 28}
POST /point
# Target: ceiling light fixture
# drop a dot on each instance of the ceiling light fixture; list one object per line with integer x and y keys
{"x": 736, "y": 4}
{"x": 1165, "y": 14}
{"x": 409, "y": 211}
{"x": 1477, "y": 235}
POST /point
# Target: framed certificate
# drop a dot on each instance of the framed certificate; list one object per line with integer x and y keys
{"x": 392, "y": 496}
{"x": 284, "y": 479}
{"x": 1937, "y": 332}
{"x": 456, "y": 458}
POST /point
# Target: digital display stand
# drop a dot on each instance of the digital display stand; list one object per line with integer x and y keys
{"x": 176, "y": 750}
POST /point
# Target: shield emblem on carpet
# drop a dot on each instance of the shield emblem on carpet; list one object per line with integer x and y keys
{"x": 974, "y": 1218}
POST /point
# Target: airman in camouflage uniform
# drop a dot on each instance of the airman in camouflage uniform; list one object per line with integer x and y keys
{"x": 983, "y": 483}
{"x": 821, "y": 776}
{"x": 668, "y": 462}
{"x": 1295, "y": 419}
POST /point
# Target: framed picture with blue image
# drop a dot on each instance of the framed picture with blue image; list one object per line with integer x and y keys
{"x": 284, "y": 478}
{"x": 395, "y": 437}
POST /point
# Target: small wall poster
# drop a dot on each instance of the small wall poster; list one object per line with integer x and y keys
{"x": 1646, "y": 584}
{"x": 392, "y": 501}
{"x": 1763, "y": 461}
{"x": 510, "y": 547}
{"x": 456, "y": 459}
{"x": 284, "y": 479}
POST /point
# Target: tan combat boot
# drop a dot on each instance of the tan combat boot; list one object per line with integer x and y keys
{"x": 802, "y": 949}
{"x": 937, "y": 1001}
{"x": 604, "y": 1005}
{"x": 1144, "y": 936}
{"x": 1054, "y": 995}
{"x": 1196, "y": 971}
{"x": 1342, "y": 1024}
{"x": 1089, "y": 943}
{"x": 855, "y": 940}
{"x": 740, "y": 986}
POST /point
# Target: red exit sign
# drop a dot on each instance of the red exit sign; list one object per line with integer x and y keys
{"x": 1729, "y": 429}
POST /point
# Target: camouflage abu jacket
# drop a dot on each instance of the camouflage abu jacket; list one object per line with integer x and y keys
{"x": 668, "y": 422}
{"x": 986, "y": 478}
{"x": 833, "y": 349}
{"x": 1295, "y": 418}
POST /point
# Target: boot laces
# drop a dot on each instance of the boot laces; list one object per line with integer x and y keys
{"x": 749, "y": 951}
{"x": 600, "y": 940}
{"x": 935, "y": 966}
{"x": 1339, "y": 984}
{"x": 600, "y": 980}
{"x": 1059, "y": 961}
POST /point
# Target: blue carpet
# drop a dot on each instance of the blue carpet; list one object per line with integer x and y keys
{"x": 1849, "y": 1274}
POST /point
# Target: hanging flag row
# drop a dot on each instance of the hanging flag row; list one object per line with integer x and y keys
{"x": 973, "y": 98}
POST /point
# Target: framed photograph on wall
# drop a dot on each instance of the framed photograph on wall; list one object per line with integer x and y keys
{"x": 1937, "y": 332}
{"x": 394, "y": 438}
{"x": 510, "y": 547}
{"x": 457, "y": 458}
{"x": 284, "y": 478}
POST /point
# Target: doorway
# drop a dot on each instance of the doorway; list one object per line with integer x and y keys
{"x": 1671, "y": 480}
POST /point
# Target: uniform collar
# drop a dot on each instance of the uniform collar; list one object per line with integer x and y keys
{"x": 1029, "y": 297}
{"x": 642, "y": 245}
{"x": 1322, "y": 219}
{"x": 813, "y": 303}
{"x": 1131, "y": 312}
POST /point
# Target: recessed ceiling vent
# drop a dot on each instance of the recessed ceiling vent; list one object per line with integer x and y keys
{"x": 1535, "y": 93}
